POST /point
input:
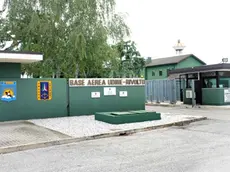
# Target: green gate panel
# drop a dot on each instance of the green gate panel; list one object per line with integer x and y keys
{"x": 81, "y": 103}
{"x": 28, "y": 107}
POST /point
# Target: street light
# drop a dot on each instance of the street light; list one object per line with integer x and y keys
{"x": 224, "y": 60}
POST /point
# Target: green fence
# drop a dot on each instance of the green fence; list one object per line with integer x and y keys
{"x": 67, "y": 101}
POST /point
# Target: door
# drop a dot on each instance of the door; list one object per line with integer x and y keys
{"x": 198, "y": 91}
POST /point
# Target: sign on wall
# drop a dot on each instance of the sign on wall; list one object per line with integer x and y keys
{"x": 44, "y": 90}
{"x": 188, "y": 94}
{"x": 109, "y": 91}
{"x": 123, "y": 94}
{"x": 95, "y": 95}
{"x": 106, "y": 82}
{"x": 8, "y": 90}
{"x": 227, "y": 95}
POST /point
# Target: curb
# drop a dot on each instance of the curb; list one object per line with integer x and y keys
{"x": 164, "y": 105}
{"x": 189, "y": 106}
{"x": 99, "y": 136}
{"x": 214, "y": 107}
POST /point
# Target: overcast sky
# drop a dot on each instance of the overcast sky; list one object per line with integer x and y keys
{"x": 202, "y": 25}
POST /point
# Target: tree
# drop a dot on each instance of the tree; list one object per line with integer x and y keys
{"x": 73, "y": 34}
{"x": 131, "y": 63}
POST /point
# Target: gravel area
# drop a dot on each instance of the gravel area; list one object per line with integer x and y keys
{"x": 81, "y": 126}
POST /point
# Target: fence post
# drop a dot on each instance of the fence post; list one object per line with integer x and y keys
{"x": 174, "y": 100}
{"x": 171, "y": 92}
{"x": 152, "y": 90}
{"x": 193, "y": 94}
{"x": 146, "y": 91}
{"x": 68, "y": 98}
{"x": 157, "y": 91}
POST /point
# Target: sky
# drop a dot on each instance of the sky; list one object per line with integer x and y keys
{"x": 156, "y": 25}
{"x": 202, "y": 25}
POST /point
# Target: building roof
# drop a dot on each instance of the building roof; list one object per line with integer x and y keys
{"x": 20, "y": 52}
{"x": 200, "y": 69}
{"x": 171, "y": 60}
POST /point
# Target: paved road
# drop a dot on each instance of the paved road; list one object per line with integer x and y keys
{"x": 199, "y": 147}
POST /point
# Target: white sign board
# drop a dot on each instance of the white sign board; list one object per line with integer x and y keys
{"x": 109, "y": 91}
{"x": 95, "y": 95}
{"x": 95, "y": 82}
{"x": 227, "y": 95}
{"x": 123, "y": 94}
{"x": 188, "y": 94}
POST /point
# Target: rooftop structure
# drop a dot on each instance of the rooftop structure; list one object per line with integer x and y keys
{"x": 179, "y": 47}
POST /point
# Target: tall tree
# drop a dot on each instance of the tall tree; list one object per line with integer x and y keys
{"x": 72, "y": 34}
{"x": 131, "y": 63}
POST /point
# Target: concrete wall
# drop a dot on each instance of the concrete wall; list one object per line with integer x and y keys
{"x": 213, "y": 96}
{"x": 81, "y": 102}
{"x": 28, "y": 107}
{"x": 66, "y": 101}
{"x": 210, "y": 96}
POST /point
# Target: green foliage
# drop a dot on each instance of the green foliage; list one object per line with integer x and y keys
{"x": 73, "y": 35}
{"x": 131, "y": 63}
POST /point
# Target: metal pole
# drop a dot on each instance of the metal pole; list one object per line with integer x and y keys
{"x": 193, "y": 94}
{"x": 180, "y": 87}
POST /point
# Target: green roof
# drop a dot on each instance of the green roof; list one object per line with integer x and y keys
{"x": 171, "y": 60}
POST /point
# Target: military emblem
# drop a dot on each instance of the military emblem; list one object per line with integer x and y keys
{"x": 8, "y": 90}
{"x": 44, "y": 90}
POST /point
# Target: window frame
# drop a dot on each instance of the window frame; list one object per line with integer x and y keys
{"x": 160, "y": 73}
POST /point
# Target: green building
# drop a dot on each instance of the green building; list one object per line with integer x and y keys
{"x": 158, "y": 68}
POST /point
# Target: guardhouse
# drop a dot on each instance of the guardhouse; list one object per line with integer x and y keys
{"x": 10, "y": 62}
{"x": 212, "y": 83}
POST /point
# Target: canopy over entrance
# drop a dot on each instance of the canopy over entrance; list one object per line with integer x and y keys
{"x": 20, "y": 57}
{"x": 199, "y": 69}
